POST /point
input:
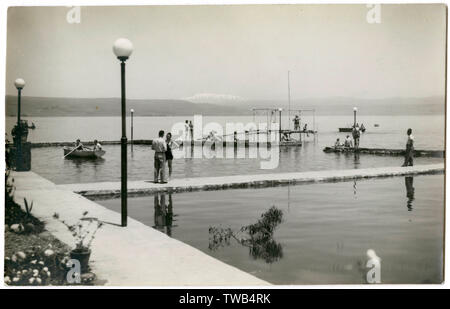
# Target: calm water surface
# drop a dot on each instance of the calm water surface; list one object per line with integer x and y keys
{"x": 322, "y": 242}
{"x": 48, "y": 162}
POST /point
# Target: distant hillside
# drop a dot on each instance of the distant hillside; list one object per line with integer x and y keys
{"x": 48, "y": 107}
{"x": 344, "y": 106}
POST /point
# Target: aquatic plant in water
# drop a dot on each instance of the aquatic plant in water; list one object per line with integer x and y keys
{"x": 258, "y": 237}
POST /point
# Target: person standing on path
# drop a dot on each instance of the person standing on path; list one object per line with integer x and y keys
{"x": 409, "y": 152}
{"x": 169, "y": 156}
{"x": 160, "y": 147}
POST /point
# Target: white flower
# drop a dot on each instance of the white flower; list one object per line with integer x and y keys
{"x": 14, "y": 258}
{"x": 39, "y": 280}
{"x": 17, "y": 228}
{"x": 41, "y": 263}
{"x": 33, "y": 262}
{"x": 15, "y": 279}
{"x": 45, "y": 269}
{"x": 24, "y": 271}
{"x": 49, "y": 252}
{"x": 49, "y": 274}
{"x": 7, "y": 280}
{"x": 31, "y": 280}
{"x": 21, "y": 255}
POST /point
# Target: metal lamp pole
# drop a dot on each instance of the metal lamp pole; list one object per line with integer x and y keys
{"x": 132, "y": 112}
{"x": 122, "y": 49}
{"x": 19, "y": 83}
{"x": 279, "y": 133}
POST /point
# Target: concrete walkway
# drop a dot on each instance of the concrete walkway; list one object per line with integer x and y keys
{"x": 133, "y": 256}
{"x": 135, "y": 188}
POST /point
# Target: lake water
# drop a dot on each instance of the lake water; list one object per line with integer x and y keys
{"x": 322, "y": 242}
{"x": 326, "y": 228}
{"x": 49, "y": 162}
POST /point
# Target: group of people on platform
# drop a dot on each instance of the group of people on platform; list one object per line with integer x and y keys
{"x": 163, "y": 154}
{"x": 348, "y": 142}
{"x": 296, "y": 121}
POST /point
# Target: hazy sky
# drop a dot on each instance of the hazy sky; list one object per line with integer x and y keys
{"x": 246, "y": 51}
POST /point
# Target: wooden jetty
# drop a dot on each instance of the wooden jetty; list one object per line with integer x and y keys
{"x": 386, "y": 152}
{"x": 246, "y": 143}
{"x": 108, "y": 190}
{"x": 90, "y": 143}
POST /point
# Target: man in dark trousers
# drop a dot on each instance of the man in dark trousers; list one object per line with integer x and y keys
{"x": 160, "y": 147}
{"x": 409, "y": 152}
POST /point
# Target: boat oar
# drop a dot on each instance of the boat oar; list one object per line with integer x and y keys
{"x": 70, "y": 152}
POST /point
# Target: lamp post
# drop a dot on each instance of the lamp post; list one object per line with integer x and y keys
{"x": 279, "y": 133}
{"x": 123, "y": 48}
{"x": 355, "y": 109}
{"x": 19, "y": 83}
{"x": 132, "y": 112}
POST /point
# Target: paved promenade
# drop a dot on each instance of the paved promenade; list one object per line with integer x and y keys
{"x": 136, "y": 188}
{"x": 133, "y": 256}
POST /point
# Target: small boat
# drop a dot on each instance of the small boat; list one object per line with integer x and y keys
{"x": 350, "y": 129}
{"x": 345, "y": 129}
{"x": 85, "y": 153}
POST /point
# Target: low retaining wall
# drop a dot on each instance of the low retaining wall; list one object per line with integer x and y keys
{"x": 387, "y": 152}
{"x": 106, "y": 190}
{"x": 136, "y": 255}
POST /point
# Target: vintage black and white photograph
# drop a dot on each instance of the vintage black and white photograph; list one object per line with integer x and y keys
{"x": 254, "y": 145}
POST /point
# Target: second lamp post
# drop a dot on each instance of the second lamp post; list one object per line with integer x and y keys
{"x": 122, "y": 49}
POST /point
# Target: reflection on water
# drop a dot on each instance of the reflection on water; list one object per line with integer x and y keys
{"x": 163, "y": 216}
{"x": 325, "y": 232}
{"x": 409, "y": 184}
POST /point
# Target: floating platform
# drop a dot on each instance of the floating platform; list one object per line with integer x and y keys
{"x": 148, "y": 142}
{"x": 90, "y": 143}
{"x": 108, "y": 190}
{"x": 246, "y": 144}
{"x": 387, "y": 152}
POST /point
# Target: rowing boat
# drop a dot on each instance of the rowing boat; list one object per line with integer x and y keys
{"x": 85, "y": 153}
{"x": 350, "y": 130}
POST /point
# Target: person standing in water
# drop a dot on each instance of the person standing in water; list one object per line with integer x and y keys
{"x": 409, "y": 152}
{"x": 160, "y": 147}
{"x": 191, "y": 130}
{"x": 186, "y": 130}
